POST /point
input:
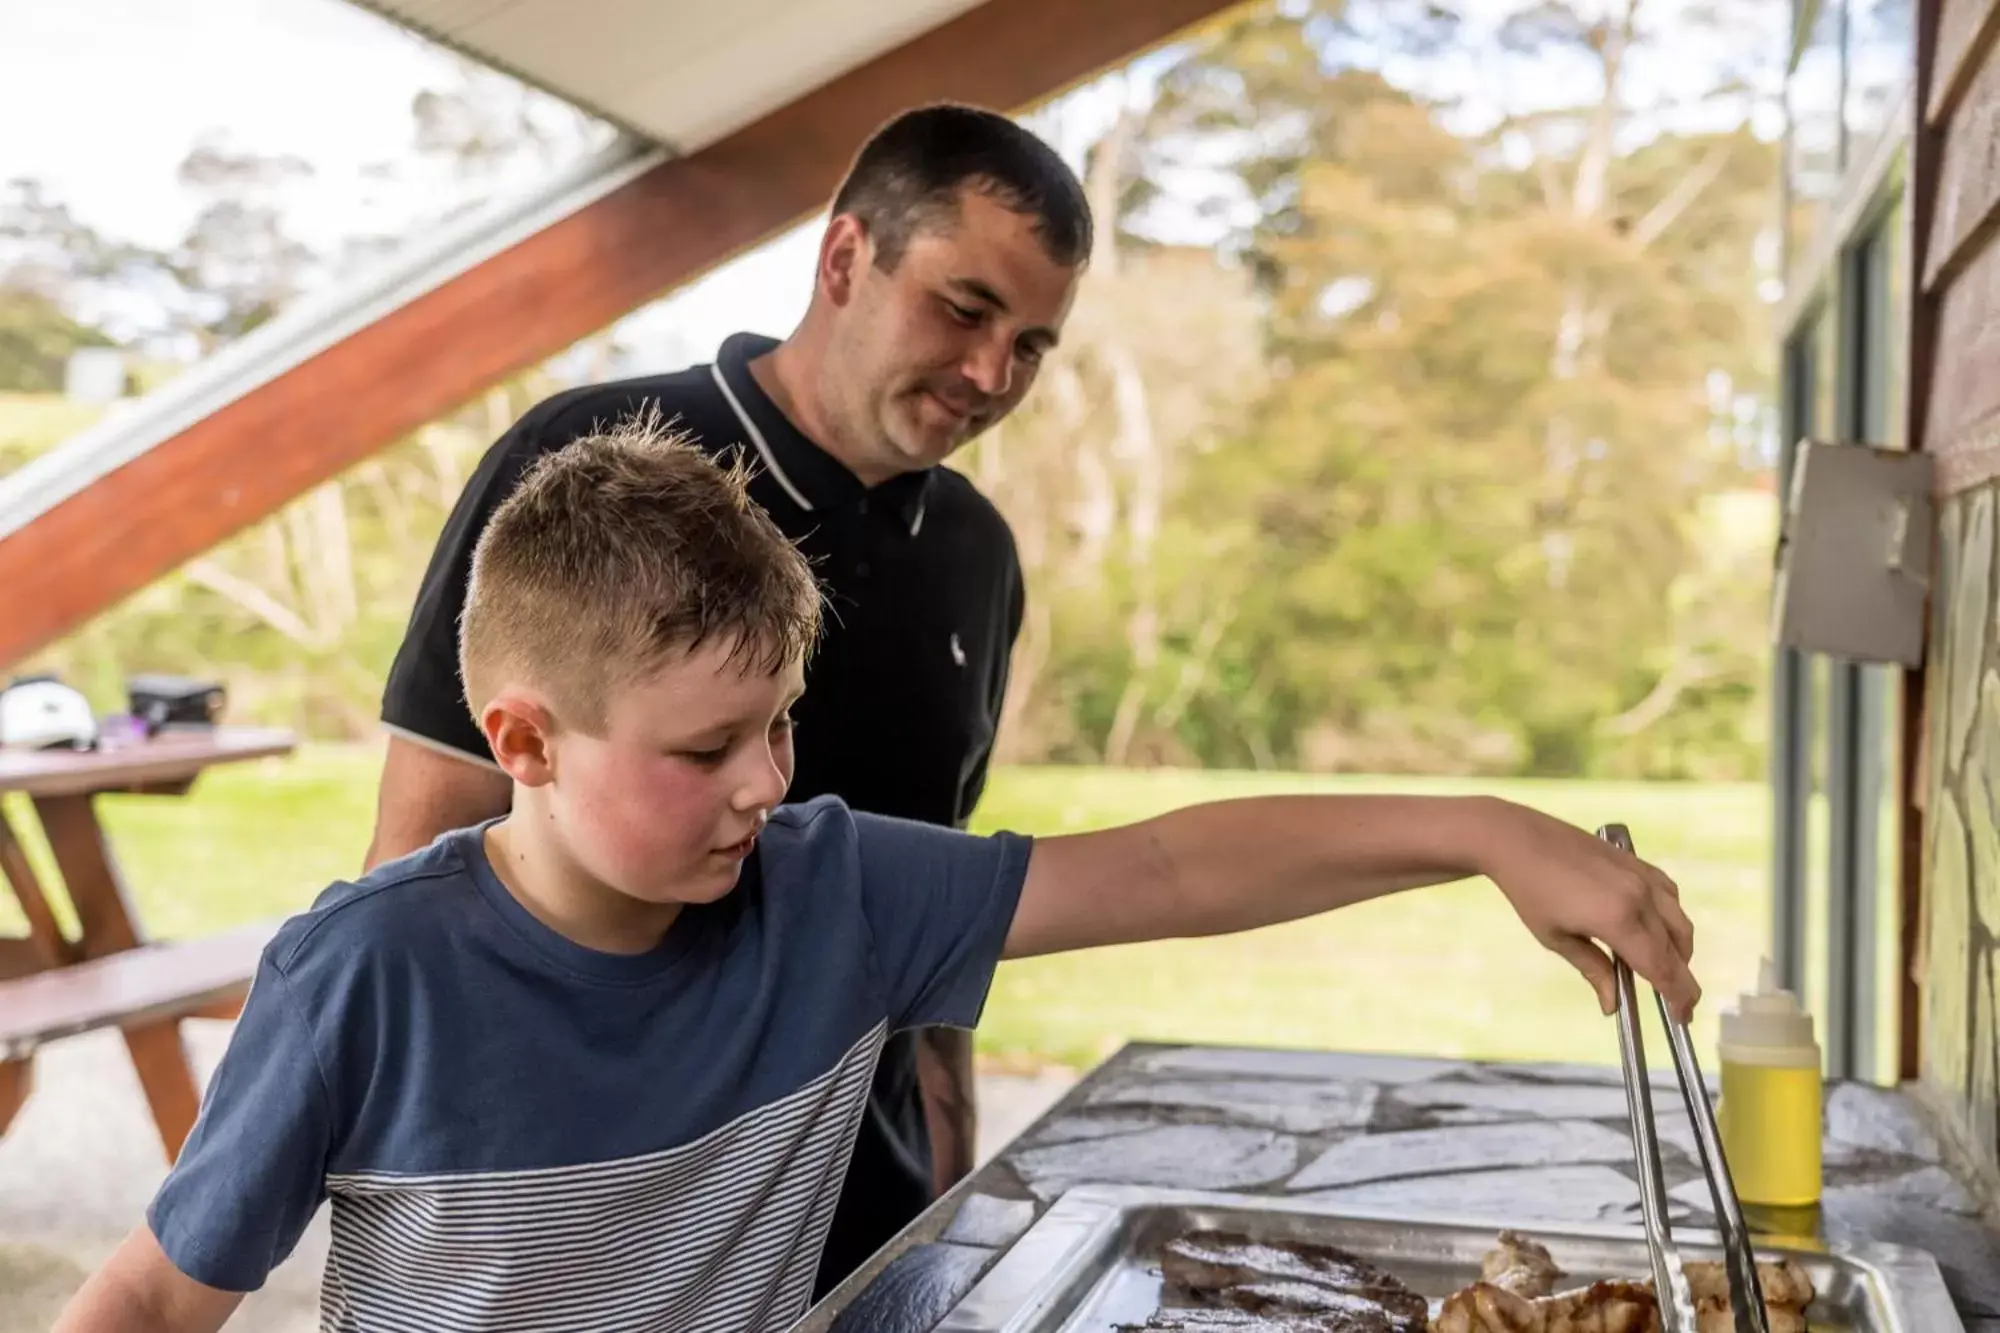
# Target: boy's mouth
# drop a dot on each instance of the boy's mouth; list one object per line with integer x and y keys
{"x": 736, "y": 851}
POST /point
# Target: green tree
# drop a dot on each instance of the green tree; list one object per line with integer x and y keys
{"x": 49, "y": 262}
{"x": 1491, "y": 420}
{"x": 36, "y": 341}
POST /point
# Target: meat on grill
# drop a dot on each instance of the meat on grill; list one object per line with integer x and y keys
{"x": 1602, "y": 1307}
{"x": 1235, "y": 1284}
{"x": 1515, "y": 1294}
{"x": 1204, "y": 1318}
{"x": 1339, "y": 1291}
{"x": 1359, "y": 1315}
{"x": 1520, "y": 1265}
{"x": 1784, "y": 1284}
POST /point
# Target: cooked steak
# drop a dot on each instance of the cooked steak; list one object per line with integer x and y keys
{"x": 1236, "y": 1321}
{"x": 1206, "y": 1260}
{"x": 1294, "y": 1277}
{"x": 1328, "y": 1310}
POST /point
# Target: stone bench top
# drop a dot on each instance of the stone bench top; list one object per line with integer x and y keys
{"x": 1521, "y": 1144}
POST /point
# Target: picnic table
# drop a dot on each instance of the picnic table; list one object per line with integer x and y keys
{"x": 110, "y": 974}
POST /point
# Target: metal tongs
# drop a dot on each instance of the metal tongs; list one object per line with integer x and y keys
{"x": 1670, "y": 1283}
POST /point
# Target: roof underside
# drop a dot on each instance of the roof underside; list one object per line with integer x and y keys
{"x": 683, "y": 73}
{"x": 735, "y": 129}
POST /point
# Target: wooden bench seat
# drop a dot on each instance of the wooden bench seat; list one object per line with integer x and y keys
{"x": 154, "y": 982}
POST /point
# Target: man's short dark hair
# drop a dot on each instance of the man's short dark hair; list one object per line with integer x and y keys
{"x": 618, "y": 551}
{"x": 911, "y": 173}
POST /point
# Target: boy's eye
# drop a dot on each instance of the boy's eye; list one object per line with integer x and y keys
{"x": 714, "y": 756}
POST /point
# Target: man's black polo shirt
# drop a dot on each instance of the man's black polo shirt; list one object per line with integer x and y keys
{"x": 902, "y": 694}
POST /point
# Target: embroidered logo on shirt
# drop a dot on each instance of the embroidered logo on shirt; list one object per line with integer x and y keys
{"x": 957, "y": 651}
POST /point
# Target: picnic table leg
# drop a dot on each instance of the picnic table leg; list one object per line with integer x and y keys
{"x": 51, "y": 949}
{"x": 96, "y": 889}
{"x": 161, "y": 1059}
{"x": 104, "y": 910}
{"x": 17, "y": 1079}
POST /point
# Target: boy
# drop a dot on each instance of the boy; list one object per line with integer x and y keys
{"x": 595, "y": 1065}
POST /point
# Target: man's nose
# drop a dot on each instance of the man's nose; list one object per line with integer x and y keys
{"x": 990, "y": 367}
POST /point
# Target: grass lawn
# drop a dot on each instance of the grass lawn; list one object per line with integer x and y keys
{"x": 1446, "y": 971}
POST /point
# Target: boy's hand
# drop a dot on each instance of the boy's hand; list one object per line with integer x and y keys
{"x": 1570, "y": 889}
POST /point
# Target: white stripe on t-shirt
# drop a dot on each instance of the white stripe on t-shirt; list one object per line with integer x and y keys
{"x": 721, "y": 1235}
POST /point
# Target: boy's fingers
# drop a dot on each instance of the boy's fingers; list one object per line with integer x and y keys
{"x": 1644, "y": 941}
{"x": 1590, "y": 960}
{"x": 1679, "y": 927}
{"x": 1676, "y": 981}
{"x": 1667, "y": 901}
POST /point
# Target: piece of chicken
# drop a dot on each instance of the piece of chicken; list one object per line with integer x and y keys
{"x": 1515, "y": 1294}
{"x": 1602, "y": 1307}
{"x": 1520, "y": 1265}
{"x": 1784, "y": 1284}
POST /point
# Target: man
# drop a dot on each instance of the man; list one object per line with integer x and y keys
{"x": 944, "y": 276}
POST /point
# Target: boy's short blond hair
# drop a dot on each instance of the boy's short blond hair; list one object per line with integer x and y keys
{"x": 615, "y": 553}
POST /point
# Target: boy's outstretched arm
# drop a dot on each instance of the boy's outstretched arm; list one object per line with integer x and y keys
{"x": 1237, "y": 865}
{"x": 138, "y": 1290}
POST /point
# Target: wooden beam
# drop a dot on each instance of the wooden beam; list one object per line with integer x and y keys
{"x": 1966, "y": 202}
{"x": 1960, "y": 396}
{"x": 1920, "y": 347}
{"x": 672, "y": 223}
{"x": 1960, "y": 40}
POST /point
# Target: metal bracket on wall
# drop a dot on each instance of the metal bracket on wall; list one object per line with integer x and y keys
{"x": 1854, "y": 553}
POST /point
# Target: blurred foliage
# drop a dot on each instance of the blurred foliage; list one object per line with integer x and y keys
{"x": 1442, "y": 457}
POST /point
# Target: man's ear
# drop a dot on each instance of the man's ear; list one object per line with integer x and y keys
{"x": 520, "y": 732}
{"x": 844, "y": 252}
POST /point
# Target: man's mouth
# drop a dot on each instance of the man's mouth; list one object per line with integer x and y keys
{"x": 954, "y": 410}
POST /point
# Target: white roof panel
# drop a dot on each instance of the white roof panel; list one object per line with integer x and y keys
{"x": 682, "y": 72}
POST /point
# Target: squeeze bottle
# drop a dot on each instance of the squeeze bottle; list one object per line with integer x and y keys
{"x": 1770, "y": 1113}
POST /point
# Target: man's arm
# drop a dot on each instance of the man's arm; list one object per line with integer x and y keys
{"x": 945, "y": 1065}
{"x": 951, "y": 1110}
{"x": 1238, "y": 865}
{"x": 425, "y": 792}
{"x": 139, "y": 1289}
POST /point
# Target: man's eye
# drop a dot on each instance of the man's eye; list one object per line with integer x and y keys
{"x": 962, "y": 314}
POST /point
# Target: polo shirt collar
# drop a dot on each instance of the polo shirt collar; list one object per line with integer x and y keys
{"x": 813, "y": 478}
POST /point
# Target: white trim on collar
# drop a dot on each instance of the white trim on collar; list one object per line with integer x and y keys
{"x": 436, "y": 746}
{"x": 757, "y": 438}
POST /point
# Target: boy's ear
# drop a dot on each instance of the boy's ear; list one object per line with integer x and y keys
{"x": 518, "y": 731}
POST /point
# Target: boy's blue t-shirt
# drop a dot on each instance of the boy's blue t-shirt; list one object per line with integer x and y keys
{"x": 517, "y": 1132}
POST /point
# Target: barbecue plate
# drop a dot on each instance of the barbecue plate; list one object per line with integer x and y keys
{"x": 1092, "y": 1262}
